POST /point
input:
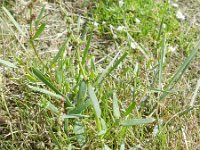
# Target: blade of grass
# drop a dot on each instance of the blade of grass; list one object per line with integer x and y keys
{"x": 38, "y": 19}
{"x": 112, "y": 66}
{"x": 81, "y": 107}
{"x": 176, "y": 77}
{"x": 129, "y": 109}
{"x": 162, "y": 52}
{"x": 85, "y": 53}
{"x": 50, "y": 85}
{"x": 116, "y": 111}
{"x": 60, "y": 52}
{"x": 81, "y": 93}
{"x": 7, "y": 63}
{"x": 94, "y": 100}
{"x": 132, "y": 122}
{"x": 14, "y": 22}
{"x": 39, "y": 31}
{"x": 46, "y": 92}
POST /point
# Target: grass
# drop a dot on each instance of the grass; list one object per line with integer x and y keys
{"x": 107, "y": 77}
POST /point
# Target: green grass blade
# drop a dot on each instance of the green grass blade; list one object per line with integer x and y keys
{"x": 14, "y": 21}
{"x": 112, "y": 66}
{"x": 94, "y": 100}
{"x": 52, "y": 107}
{"x": 132, "y": 122}
{"x": 39, "y": 31}
{"x": 85, "y": 53}
{"x": 46, "y": 92}
{"x": 60, "y": 52}
{"x": 38, "y": 19}
{"x": 7, "y": 63}
{"x": 49, "y": 84}
{"x": 45, "y": 80}
{"x": 81, "y": 107}
{"x": 116, "y": 111}
{"x": 73, "y": 116}
{"x": 107, "y": 69}
{"x": 129, "y": 109}
{"x": 82, "y": 92}
{"x": 161, "y": 61}
{"x": 180, "y": 71}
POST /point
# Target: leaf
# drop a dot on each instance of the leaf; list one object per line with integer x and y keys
{"x": 39, "y": 31}
{"x": 60, "y": 52}
{"x": 85, "y": 53}
{"x": 82, "y": 92}
{"x": 39, "y": 16}
{"x": 73, "y": 116}
{"x": 79, "y": 132}
{"x": 45, "y": 92}
{"x": 52, "y": 108}
{"x": 107, "y": 69}
{"x": 94, "y": 100}
{"x": 80, "y": 108}
{"x": 132, "y": 122}
{"x": 130, "y": 108}
{"x": 50, "y": 85}
{"x": 112, "y": 66}
{"x": 13, "y": 21}
{"x": 116, "y": 111}
{"x": 7, "y": 63}
{"x": 45, "y": 80}
{"x": 176, "y": 77}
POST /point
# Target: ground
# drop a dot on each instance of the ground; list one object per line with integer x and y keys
{"x": 99, "y": 75}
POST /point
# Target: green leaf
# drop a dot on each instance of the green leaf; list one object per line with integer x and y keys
{"x": 82, "y": 92}
{"x": 49, "y": 84}
{"x": 116, "y": 111}
{"x": 112, "y": 66}
{"x": 46, "y": 92}
{"x": 38, "y": 19}
{"x": 176, "y": 77}
{"x": 73, "y": 116}
{"x": 85, "y": 53}
{"x": 132, "y": 122}
{"x": 48, "y": 105}
{"x": 130, "y": 108}
{"x": 7, "y": 63}
{"x": 60, "y": 52}
{"x": 94, "y": 100}
{"x": 80, "y": 108}
{"x": 52, "y": 107}
{"x": 39, "y": 31}
{"x": 14, "y": 22}
{"x": 80, "y": 132}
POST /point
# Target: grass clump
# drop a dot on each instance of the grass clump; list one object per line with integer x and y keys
{"x": 119, "y": 78}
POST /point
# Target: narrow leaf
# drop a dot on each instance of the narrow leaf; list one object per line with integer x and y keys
{"x": 39, "y": 31}
{"x": 116, "y": 111}
{"x": 73, "y": 116}
{"x": 132, "y": 122}
{"x": 130, "y": 108}
{"x": 45, "y": 92}
{"x": 80, "y": 108}
{"x": 7, "y": 63}
{"x": 82, "y": 92}
{"x": 52, "y": 107}
{"x": 180, "y": 71}
{"x": 14, "y": 21}
{"x": 94, "y": 100}
{"x": 45, "y": 80}
{"x": 60, "y": 52}
{"x": 39, "y": 16}
{"x": 85, "y": 53}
